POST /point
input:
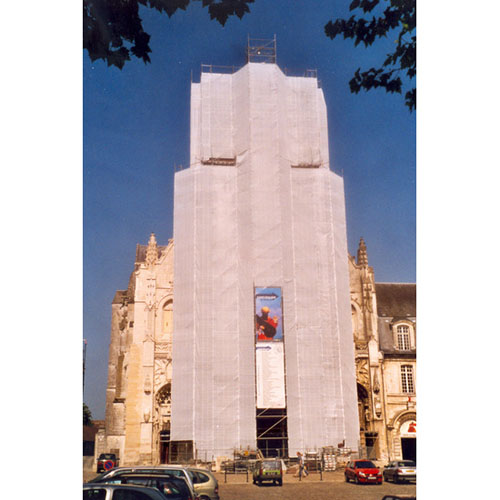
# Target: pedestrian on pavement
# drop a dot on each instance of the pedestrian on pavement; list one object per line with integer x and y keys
{"x": 302, "y": 466}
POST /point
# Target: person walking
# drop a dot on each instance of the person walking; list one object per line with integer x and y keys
{"x": 302, "y": 466}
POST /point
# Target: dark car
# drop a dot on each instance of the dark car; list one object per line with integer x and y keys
{"x": 165, "y": 470}
{"x": 268, "y": 470}
{"x": 399, "y": 497}
{"x": 400, "y": 470}
{"x": 106, "y": 461}
{"x": 119, "y": 492}
{"x": 172, "y": 487}
{"x": 363, "y": 471}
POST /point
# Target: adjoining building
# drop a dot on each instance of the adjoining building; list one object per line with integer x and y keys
{"x": 244, "y": 340}
{"x": 384, "y": 333}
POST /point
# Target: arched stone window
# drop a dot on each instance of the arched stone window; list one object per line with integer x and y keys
{"x": 168, "y": 317}
{"x": 164, "y": 395}
{"x": 163, "y": 405}
{"x": 354, "y": 319}
{"x": 357, "y": 322}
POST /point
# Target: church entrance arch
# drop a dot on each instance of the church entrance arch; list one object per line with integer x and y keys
{"x": 363, "y": 408}
{"x": 406, "y": 438}
{"x": 368, "y": 437}
{"x": 163, "y": 411}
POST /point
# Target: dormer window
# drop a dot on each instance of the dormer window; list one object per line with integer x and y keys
{"x": 403, "y": 337}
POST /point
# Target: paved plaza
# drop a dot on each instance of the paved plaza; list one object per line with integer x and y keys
{"x": 314, "y": 487}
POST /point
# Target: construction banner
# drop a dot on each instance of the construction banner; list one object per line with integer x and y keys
{"x": 268, "y": 314}
{"x": 270, "y": 375}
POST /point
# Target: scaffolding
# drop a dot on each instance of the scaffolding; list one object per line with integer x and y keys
{"x": 272, "y": 435}
{"x": 261, "y": 50}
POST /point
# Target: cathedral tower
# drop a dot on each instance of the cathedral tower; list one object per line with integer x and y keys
{"x": 262, "y": 344}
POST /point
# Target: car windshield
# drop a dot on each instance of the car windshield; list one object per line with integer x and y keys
{"x": 407, "y": 463}
{"x": 106, "y": 456}
{"x": 365, "y": 464}
{"x": 270, "y": 465}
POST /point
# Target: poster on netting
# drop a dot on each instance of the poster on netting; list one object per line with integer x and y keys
{"x": 268, "y": 314}
{"x": 270, "y": 374}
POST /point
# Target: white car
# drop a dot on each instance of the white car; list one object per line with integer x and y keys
{"x": 400, "y": 470}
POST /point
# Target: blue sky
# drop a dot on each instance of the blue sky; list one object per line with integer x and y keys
{"x": 136, "y": 129}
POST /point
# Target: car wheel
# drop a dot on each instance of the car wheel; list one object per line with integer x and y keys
{"x": 280, "y": 482}
{"x": 259, "y": 482}
{"x": 395, "y": 479}
{"x": 346, "y": 478}
{"x": 357, "y": 479}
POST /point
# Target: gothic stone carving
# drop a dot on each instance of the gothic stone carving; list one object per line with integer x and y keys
{"x": 161, "y": 372}
{"x": 362, "y": 372}
{"x": 163, "y": 350}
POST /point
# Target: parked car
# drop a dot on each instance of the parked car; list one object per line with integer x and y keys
{"x": 206, "y": 485}
{"x": 399, "y": 497}
{"x": 106, "y": 461}
{"x": 173, "y": 487}
{"x": 268, "y": 470}
{"x": 363, "y": 471}
{"x": 166, "y": 470}
{"x": 400, "y": 470}
{"x": 120, "y": 492}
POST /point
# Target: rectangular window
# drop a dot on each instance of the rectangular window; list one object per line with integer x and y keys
{"x": 407, "y": 385}
{"x": 403, "y": 342}
{"x": 403, "y": 332}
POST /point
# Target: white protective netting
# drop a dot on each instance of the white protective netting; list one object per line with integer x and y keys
{"x": 276, "y": 219}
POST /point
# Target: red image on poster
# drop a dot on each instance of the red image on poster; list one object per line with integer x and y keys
{"x": 266, "y": 326}
{"x": 268, "y": 314}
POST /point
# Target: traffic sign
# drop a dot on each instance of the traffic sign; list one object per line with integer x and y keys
{"x": 109, "y": 464}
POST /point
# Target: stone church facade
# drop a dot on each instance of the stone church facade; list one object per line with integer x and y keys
{"x": 138, "y": 394}
{"x": 384, "y": 334}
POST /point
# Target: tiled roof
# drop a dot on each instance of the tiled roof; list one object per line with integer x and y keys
{"x": 396, "y": 299}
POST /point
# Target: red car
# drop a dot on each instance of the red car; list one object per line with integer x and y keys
{"x": 363, "y": 471}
